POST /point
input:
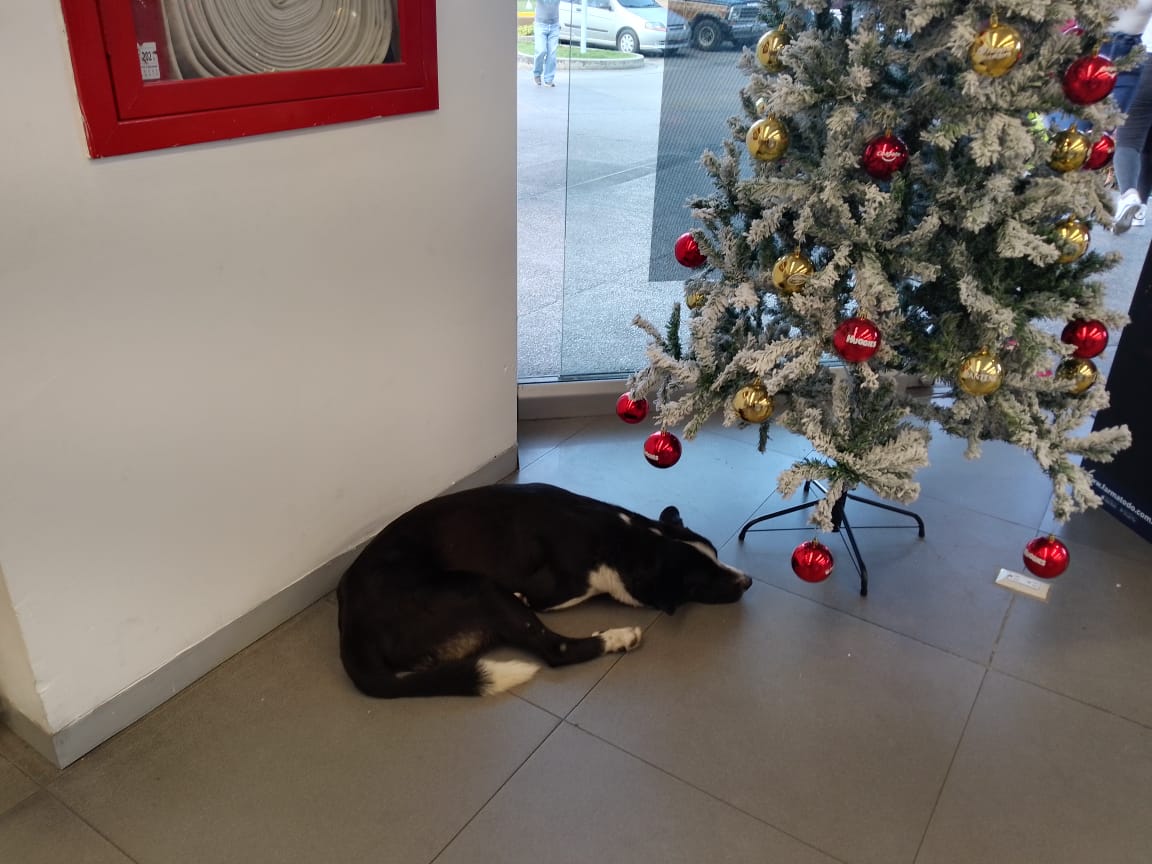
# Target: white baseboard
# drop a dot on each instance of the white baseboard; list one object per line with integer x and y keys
{"x": 147, "y": 694}
{"x": 553, "y": 400}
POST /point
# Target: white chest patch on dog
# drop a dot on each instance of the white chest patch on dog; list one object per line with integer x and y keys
{"x": 606, "y": 580}
{"x": 602, "y": 580}
{"x": 591, "y": 592}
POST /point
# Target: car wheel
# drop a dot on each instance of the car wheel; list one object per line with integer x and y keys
{"x": 707, "y": 35}
{"x": 628, "y": 42}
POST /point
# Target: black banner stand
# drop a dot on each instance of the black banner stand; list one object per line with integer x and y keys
{"x": 1125, "y": 484}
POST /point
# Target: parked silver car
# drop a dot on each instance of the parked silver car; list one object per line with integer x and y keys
{"x": 633, "y": 26}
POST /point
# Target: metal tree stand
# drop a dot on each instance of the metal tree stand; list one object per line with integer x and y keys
{"x": 839, "y": 521}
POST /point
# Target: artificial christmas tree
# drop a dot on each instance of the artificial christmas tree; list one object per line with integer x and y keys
{"x": 892, "y": 146}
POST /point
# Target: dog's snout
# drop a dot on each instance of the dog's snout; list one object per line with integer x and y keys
{"x": 745, "y": 582}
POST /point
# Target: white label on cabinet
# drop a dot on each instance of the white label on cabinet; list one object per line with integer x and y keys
{"x": 149, "y": 61}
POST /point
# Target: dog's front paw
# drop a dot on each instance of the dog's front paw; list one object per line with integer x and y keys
{"x": 619, "y": 639}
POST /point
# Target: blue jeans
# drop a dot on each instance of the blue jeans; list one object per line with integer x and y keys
{"x": 1119, "y": 45}
{"x": 547, "y": 40}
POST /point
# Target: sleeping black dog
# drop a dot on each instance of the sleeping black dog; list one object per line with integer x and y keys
{"x": 461, "y": 574}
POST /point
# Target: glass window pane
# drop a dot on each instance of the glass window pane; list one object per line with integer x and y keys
{"x": 187, "y": 39}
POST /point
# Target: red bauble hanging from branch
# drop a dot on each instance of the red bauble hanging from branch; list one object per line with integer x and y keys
{"x": 631, "y": 410}
{"x": 688, "y": 251}
{"x": 1089, "y": 79}
{"x": 812, "y": 561}
{"x": 884, "y": 156}
{"x": 1100, "y": 156}
{"x": 856, "y": 340}
{"x": 1047, "y": 557}
{"x": 1089, "y": 337}
{"x": 662, "y": 449}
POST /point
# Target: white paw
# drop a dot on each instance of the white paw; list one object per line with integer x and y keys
{"x": 619, "y": 639}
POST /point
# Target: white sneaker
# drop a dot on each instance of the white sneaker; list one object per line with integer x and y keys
{"x": 1138, "y": 219}
{"x": 1128, "y": 205}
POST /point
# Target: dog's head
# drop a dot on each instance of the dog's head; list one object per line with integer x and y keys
{"x": 689, "y": 570}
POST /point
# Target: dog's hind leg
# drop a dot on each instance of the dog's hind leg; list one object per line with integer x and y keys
{"x": 517, "y": 626}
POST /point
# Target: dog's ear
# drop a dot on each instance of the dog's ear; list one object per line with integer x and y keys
{"x": 671, "y": 516}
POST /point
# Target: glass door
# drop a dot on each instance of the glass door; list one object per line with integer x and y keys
{"x": 609, "y": 159}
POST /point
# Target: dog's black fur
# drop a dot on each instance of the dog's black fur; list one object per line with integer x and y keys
{"x": 461, "y": 574}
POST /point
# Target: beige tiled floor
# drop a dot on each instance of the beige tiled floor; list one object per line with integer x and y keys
{"x": 940, "y": 720}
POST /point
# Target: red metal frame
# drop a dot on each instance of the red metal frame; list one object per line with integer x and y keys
{"x": 124, "y": 114}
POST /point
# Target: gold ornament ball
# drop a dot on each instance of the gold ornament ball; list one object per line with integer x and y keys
{"x": 769, "y": 47}
{"x": 767, "y": 139}
{"x": 753, "y": 403}
{"x": 980, "y": 374}
{"x": 696, "y": 299}
{"x": 792, "y": 272}
{"x": 1070, "y": 150}
{"x": 995, "y": 50}
{"x": 1082, "y": 373}
{"x": 1072, "y": 235}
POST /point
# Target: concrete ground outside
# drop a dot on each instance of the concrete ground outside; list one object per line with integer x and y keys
{"x": 588, "y": 206}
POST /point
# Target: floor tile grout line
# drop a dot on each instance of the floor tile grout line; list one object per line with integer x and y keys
{"x": 1000, "y": 633}
{"x": 988, "y": 665}
{"x": 20, "y": 770}
{"x": 702, "y": 790}
{"x": 611, "y": 666}
{"x": 951, "y": 763}
{"x": 875, "y": 624}
{"x": 1077, "y": 699}
{"x": 498, "y": 790}
{"x": 51, "y": 792}
{"x": 996, "y": 516}
{"x": 520, "y": 466}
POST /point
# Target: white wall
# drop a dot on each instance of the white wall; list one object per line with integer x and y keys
{"x": 221, "y": 365}
{"x": 17, "y": 686}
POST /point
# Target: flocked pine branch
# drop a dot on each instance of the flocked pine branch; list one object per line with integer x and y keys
{"x": 962, "y": 250}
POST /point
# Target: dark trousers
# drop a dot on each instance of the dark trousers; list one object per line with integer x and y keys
{"x": 1132, "y": 159}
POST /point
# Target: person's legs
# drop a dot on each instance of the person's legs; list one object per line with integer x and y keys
{"x": 553, "y": 43}
{"x": 1119, "y": 46}
{"x": 540, "y": 37}
{"x": 1130, "y": 141}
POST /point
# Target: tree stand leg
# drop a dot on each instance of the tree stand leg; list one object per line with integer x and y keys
{"x": 840, "y": 525}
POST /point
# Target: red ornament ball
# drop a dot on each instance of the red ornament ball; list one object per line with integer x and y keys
{"x": 812, "y": 561}
{"x": 662, "y": 449}
{"x": 1089, "y": 337}
{"x": 1100, "y": 156}
{"x": 1047, "y": 557}
{"x": 856, "y": 340}
{"x": 1089, "y": 79}
{"x": 688, "y": 251}
{"x": 631, "y": 410}
{"x": 884, "y": 156}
